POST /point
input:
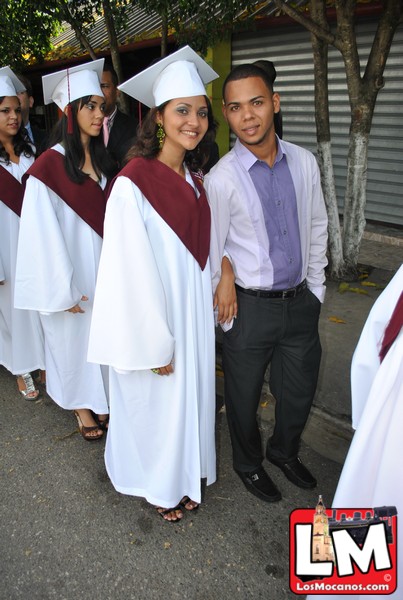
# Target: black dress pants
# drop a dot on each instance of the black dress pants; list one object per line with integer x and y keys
{"x": 284, "y": 334}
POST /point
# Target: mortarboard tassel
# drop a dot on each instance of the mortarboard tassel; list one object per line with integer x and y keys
{"x": 69, "y": 120}
{"x": 69, "y": 113}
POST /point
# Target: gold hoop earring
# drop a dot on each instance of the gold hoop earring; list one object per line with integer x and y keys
{"x": 160, "y": 135}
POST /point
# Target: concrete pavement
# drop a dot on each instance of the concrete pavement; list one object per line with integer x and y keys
{"x": 67, "y": 535}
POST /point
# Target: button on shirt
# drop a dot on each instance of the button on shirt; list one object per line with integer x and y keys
{"x": 244, "y": 213}
{"x": 276, "y": 192}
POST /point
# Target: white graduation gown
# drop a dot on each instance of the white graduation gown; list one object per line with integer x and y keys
{"x": 21, "y": 336}
{"x": 153, "y": 304}
{"x": 2, "y": 271}
{"x": 373, "y": 471}
{"x": 55, "y": 268}
{"x": 365, "y": 362}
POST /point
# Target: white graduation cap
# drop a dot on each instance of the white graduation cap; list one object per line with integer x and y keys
{"x": 10, "y": 85}
{"x": 180, "y": 75}
{"x": 70, "y": 84}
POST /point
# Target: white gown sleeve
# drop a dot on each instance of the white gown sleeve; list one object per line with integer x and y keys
{"x": 44, "y": 273}
{"x": 129, "y": 329}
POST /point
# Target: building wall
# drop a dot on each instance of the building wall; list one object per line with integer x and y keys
{"x": 290, "y": 50}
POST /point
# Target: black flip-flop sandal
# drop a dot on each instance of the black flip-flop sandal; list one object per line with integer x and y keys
{"x": 103, "y": 423}
{"x": 185, "y": 500}
{"x": 165, "y": 511}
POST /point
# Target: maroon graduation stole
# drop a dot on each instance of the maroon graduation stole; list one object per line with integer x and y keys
{"x": 176, "y": 202}
{"x": 11, "y": 191}
{"x": 87, "y": 199}
{"x": 393, "y": 328}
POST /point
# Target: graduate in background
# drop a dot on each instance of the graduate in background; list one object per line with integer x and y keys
{"x": 153, "y": 314}
{"x": 372, "y": 472}
{"x": 119, "y": 129}
{"x": 36, "y": 135}
{"x": 60, "y": 242}
{"x": 21, "y": 337}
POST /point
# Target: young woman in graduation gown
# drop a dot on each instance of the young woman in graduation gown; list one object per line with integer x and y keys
{"x": 64, "y": 204}
{"x": 153, "y": 315}
{"x": 21, "y": 337}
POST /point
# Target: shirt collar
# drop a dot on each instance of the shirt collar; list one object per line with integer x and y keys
{"x": 248, "y": 159}
{"x": 112, "y": 116}
{"x": 29, "y": 131}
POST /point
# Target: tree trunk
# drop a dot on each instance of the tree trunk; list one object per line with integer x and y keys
{"x": 164, "y": 33}
{"x": 320, "y": 59}
{"x": 362, "y": 102}
{"x": 363, "y": 92}
{"x": 80, "y": 35}
{"x": 335, "y": 246}
{"x": 355, "y": 198}
{"x": 114, "y": 46}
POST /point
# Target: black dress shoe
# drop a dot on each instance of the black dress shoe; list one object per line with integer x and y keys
{"x": 258, "y": 482}
{"x": 296, "y": 472}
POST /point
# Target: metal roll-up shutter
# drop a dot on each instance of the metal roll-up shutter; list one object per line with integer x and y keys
{"x": 290, "y": 50}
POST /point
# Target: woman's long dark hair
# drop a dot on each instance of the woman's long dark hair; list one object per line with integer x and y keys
{"x": 20, "y": 142}
{"x": 74, "y": 152}
{"x": 147, "y": 144}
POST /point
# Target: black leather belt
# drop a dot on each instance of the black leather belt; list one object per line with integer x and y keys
{"x": 290, "y": 293}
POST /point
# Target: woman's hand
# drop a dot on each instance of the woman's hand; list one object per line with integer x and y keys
{"x": 225, "y": 295}
{"x": 77, "y": 308}
{"x": 167, "y": 370}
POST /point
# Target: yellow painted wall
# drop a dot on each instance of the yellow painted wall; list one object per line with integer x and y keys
{"x": 219, "y": 58}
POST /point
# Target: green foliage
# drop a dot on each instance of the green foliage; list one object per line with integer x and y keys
{"x": 214, "y": 21}
{"x": 202, "y": 24}
{"x": 26, "y": 27}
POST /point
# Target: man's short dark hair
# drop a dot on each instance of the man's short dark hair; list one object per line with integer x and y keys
{"x": 268, "y": 67}
{"x": 245, "y": 71}
{"x": 26, "y": 83}
{"x": 111, "y": 70}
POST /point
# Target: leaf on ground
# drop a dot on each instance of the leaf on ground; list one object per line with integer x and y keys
{"x": 264, "y": 403}
{"x": 336, "y": 320}
{"x": 363, "y": 275}
{"x": 343, "y": 287}
{"x": 369, "y": 284}
{"x": 358, "y": 291}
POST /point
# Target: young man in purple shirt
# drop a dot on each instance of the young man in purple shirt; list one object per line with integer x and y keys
{"x": 268, "y": 254}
